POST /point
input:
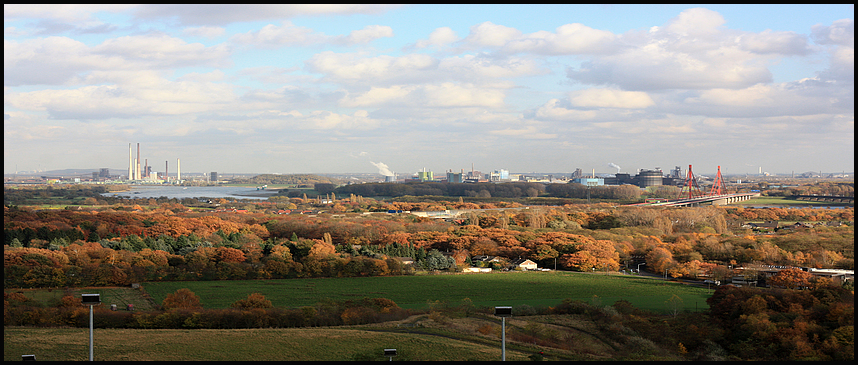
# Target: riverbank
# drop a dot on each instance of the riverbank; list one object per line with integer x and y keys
{"x": 785, "y": 202}
{"x": 260, "y": 193}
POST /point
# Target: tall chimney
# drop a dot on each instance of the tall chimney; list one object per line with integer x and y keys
{"x": 146, "y": 168}
{"x": 178, "y": 170}
{"x": 166, "y": 170}
{"x": 138, "y": 160}
{"x": 130, "y": 164}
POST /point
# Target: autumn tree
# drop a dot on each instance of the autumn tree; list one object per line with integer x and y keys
{"x": 182, "y": 299}
{"x": 254, "y": 300}
{"x": 791, "y": 278}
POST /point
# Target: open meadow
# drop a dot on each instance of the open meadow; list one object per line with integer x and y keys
{"x": 536, "y": 289}
{"x": 292, "y": 344}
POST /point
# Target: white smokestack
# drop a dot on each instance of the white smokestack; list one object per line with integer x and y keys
{"x": 130, "y": 164}
{"x": 137, "y": 172}
{"x": 178, "y": 169}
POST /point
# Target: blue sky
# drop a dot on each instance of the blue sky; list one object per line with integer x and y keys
{"x": 366, "y": 88}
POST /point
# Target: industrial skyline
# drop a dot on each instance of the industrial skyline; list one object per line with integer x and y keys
{"x": 367, "y": 88}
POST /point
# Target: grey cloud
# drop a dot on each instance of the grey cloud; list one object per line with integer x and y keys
{"x": 223, "y": 14}
{"x": 783, "y": 43}
{"x": 58, "y": 60}
{"x": 840, "y": 32}
{"x": 663, "y": 75}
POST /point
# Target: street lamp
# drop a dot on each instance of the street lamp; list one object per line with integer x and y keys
{"x": 503, "y": 312}
{"x": 390, "y": 353}
{"x": 91, "y": 300}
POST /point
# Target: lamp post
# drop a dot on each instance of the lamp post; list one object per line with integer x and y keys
{"x": 91, "y": 300}
{"x": 503, "y": 312}
{"x": 390, "y": 353}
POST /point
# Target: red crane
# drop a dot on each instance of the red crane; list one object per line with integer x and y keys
{"x": 691, "y": 184}
{"x": 718, "y": 186}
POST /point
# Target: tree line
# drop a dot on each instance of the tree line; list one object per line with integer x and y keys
{"x": 73, "y": 248}
{"x": 489, "y": 190}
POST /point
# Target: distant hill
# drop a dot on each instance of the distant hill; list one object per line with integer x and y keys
{"x": 64, "y": 172}
{"x": 301, "y": 179}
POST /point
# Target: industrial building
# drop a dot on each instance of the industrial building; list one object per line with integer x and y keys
{"x": 646, "y": 178}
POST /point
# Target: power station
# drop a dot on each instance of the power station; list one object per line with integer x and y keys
{"x": 144, "y": 175}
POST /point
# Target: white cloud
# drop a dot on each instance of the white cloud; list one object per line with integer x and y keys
{"x": 71, "y": 13}
{"x": 693, "y": 51}
{"x": 610, "y": 98}
{"x": 273, "y": 36}
{"x": 288, "y": 34}
{"x": 552, "y": 110}
{"x": 204, "y": 31}
{"x": 323, "y": 119}
{"x": 355, "y": 70}
{"x": 379, "y": 96}
{"x": 488, "y": 34}
{"x": 528, "y": 132}
{"x": 768, "y": 42}
{"x": 369, "y": 34}
{"x": 445, "y": 94}
{"x": 568, "y": 39}
{"x": 138, "y": 94}
{"x": 60, "y": 60}
{"x": 439, "y": 37}
{"x": 694, "y": 23}
{"x": 449, "y": 94}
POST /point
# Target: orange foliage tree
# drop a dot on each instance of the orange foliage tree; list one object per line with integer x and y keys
{"x": 182, "y": 299}
{"x": 254, "y": 300}
{"x": 791, "y": 278}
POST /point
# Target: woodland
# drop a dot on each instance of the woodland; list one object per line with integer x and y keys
{"x": 103, "y": 242}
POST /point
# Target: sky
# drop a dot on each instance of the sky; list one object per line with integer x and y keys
{"x": 402, "y": 88}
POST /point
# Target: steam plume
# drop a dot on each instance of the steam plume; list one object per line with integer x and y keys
{"x": 614, "y": 166}
{"x": 382, "y": 169}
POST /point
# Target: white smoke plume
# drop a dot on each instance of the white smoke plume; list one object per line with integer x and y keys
{"x": 614, "y": 166}
{"x": 383, "y": 169}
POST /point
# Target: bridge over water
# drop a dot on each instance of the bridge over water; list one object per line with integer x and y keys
{"x": 722, "y": 199}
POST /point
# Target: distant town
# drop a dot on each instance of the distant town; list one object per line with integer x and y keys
{"x": 642, "y": 178}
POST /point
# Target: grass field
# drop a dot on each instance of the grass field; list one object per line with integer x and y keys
{"x": 293, "y": 344}
{"x": 112, "y": 295}
{"x": 780, "y": 200}
{"x": 537, "y": 289}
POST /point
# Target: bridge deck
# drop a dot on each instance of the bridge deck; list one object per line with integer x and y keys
{"x": 697, "y": 200}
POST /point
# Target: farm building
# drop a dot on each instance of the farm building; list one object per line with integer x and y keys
{"x": 524, "y": 264}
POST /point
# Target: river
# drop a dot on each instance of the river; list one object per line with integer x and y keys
{"x": 182, "y": 192}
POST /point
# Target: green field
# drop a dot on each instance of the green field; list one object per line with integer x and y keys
{"x": 109, "y": 295}
{"x": 536, "y": 289}
{"x": 781, "y": 200}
